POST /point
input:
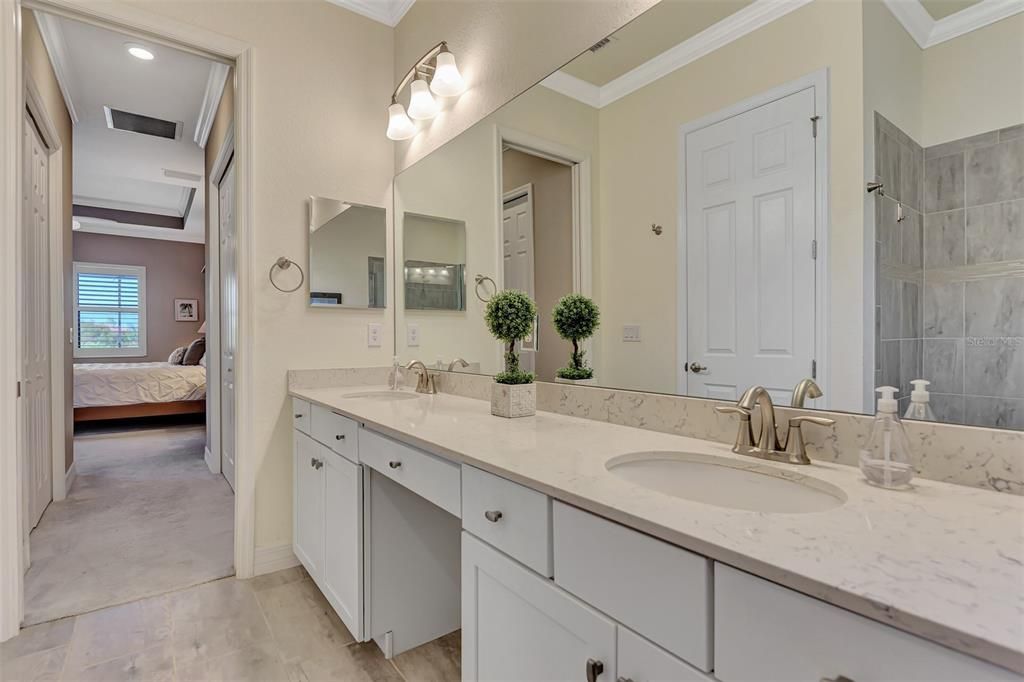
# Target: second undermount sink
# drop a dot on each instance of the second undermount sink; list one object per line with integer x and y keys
{"x": 724, "y": 482}
{"x": 383, "y": 396}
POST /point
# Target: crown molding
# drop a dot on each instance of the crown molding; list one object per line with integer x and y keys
{"x": 215, "y": 83}
{"x": 747, "y": 20}
{"x": 388, "y": 12}
{"x": 928, "y": 32}
{"x": 56, "y": 48}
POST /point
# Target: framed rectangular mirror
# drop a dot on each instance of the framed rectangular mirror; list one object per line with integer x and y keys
{"x": 347, "y": 254}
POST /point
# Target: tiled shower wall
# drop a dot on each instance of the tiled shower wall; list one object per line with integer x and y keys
{"x": 950, "y": 289}
{"x": 973, "y": 349}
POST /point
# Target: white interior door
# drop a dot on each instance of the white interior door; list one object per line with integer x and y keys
{"x": 518, "y": 256}
{"x": 750, "y": 230}
{"x": 228, "y": 320}
{"x": 35, "y": 327}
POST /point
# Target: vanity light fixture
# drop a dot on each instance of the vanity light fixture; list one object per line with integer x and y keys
{"x": 437, "y": 65}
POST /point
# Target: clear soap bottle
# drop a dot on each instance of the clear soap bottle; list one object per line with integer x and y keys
{"x": 920, "y": 407}
{"x": 885, "y": 457}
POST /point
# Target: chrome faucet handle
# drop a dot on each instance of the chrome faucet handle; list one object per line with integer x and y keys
{"x": 744, "y": 434}
{"x": 795, "y": 447}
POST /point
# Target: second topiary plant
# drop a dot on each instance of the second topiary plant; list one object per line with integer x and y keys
{"x": 576, "y": 317}
{"x": 510, "y": 315}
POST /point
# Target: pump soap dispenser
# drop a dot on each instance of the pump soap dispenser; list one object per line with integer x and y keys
{"x": 885, "y": 458}
{"x": 920, "y": 407}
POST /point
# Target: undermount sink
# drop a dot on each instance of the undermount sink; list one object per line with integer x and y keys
{"x": 750, "y": 486}
{"x": 383, "y": 395}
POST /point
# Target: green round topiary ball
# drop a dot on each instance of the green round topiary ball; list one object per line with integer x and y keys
{"x": 576, "y": 317}
{"x": 510, "y": 315}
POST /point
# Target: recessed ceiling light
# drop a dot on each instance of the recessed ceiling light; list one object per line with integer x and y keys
{"x": 139, "y": 52}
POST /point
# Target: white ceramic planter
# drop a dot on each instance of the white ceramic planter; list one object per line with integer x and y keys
{"x": 576, "y": 382}
{"x": 514, "y": 401}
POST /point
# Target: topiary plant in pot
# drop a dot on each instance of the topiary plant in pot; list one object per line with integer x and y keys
{"x": 510, "y": 315}
{"x": 575, "y": 318}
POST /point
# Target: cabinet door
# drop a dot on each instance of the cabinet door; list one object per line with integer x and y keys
{"x": 343, "y": 540}
{"x": 308, "y": 504}
{"x": 642, "y": 661}
{"x": 517, "y": 625}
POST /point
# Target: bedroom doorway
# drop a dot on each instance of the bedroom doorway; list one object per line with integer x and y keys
{"x": 145, "y": 511}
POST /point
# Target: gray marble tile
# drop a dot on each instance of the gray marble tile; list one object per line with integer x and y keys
{"x": 994, "y": 368}
{"x": 910, "y": 310}
{"x": 943, "y": 365}
{"x": 359, "y": 662}
{"x": 155, "y": 664}
{"x": 948, "y": 408}
{"x": 254, "y": 663}
{"x": 943, "y": 310}
{"x": 944, "y": 239}
{"x": 277, "y": 578}
{"x": 119, "y": 631}
{"x": 889, "y": 231}
{"x": 303, "y": 622}
{"x": 37, "y": 638}
{"x": 1002, "y": 413}
{"x": 890, "y": 364}
{"x": 944, "y": 183}
{"x": 995, "y": 173}
{"x": 1012, "y": 132}
{"x": 995, "y": 232}
{"x": 995, "y": 307}
{"x": 216, "y": 619}
{"x": 35, "y": 667}
{"x": 911, "y": 162}
{"x": 887, "y": 161}
{"x": 890, "y": 294}
{"x": 912, "y": 239}
{"x": 910, "y": 364}
{"x": 436, "y": 660}
{"x": 964, "y": 143}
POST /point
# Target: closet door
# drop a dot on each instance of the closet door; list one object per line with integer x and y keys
{"x": 517, "y": 625}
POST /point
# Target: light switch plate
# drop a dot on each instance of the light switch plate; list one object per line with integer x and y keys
{"x": 412, "y": 335}
{"x": 373, "y": 334}
{"x": 631, "y": 332}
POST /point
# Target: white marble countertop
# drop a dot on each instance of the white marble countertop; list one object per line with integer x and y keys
{"x": 941, "y": 561}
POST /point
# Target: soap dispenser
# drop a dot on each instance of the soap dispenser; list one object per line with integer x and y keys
{"x": 920, "y": 407}
{"x": 885, "y": 457}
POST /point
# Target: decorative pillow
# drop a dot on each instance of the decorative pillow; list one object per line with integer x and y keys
{"x": 176, "y": 356}
{"x": 195, "y": 351}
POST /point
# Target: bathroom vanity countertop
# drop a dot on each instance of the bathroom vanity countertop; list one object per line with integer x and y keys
{"x": 941, "y": 561}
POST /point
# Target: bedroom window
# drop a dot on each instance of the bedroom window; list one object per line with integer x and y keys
{"x": 110, "y": 310}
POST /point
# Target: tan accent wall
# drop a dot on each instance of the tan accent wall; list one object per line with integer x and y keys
{"x": 173, "y": 270}
{"x": 552, "y": 245}
{"x": 37, "y": 65}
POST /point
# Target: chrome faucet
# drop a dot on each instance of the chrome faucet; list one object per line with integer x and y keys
{"x": 424, "y": 380}
{"x": 790, "y": 447}
{"x": 457, "y": 361}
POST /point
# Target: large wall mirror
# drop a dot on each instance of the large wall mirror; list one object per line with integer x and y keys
{"x": 347, "y": 254}
{"x": 818, "y": 193}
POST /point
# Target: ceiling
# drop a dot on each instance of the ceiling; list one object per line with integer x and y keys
{"x": 940, "y": 9}
{"x": 123, "y": 170}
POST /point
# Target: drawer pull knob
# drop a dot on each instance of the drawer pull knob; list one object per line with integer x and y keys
{"x": 340, "y": 436}
{"x": 298, "y": 416}
{"x": 594, "y": 668}
{"x": 493, "y": 516}
{"x": 312, "y": 462}
{"x": 837, "y": 678}
{"x": 395, "y": 465}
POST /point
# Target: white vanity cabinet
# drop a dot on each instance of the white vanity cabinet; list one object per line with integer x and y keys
{"x": 308, "y": 515}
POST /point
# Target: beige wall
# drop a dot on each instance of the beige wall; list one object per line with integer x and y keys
{"x": 37, "y": 65}
{"x": 893, "y": 74}
{"x": 552, "y": 246}
{"x": 320, "y": 81}
{"x": 173, "y": 270}
{"x": 502, "y": 48}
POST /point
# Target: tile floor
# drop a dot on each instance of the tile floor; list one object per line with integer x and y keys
{"x": 273, "y": 627}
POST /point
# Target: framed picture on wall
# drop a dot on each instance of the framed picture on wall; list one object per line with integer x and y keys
{"x": 186, "y": 310}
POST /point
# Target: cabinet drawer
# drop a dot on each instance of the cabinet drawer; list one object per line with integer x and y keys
{"x": 659, "y": 590}
{"x": 641, "y": 661}
{"x": 511, "y": 517}
{"x": 340, "y": 434}
{"x": 767, "y": 632}
{"x": 300, "y": 415}
{"x": 430, "y": 477}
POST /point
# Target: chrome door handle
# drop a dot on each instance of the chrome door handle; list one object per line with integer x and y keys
{"x": 298, "y": 416}
{"x": 697, "y": 368}
{"x": 395, "y": 465}
{"x": 493, "y": 516}
{"x": 594, "y": 668}
{"x": 340, "y": 436}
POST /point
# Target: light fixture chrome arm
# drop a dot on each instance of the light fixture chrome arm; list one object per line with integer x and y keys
{"x": 421, "y": 63}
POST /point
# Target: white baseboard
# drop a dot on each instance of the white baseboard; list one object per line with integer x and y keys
{"x": 270, "y": 559}
{"x": 69, "y": 477}
{"x": 212, "y": 461}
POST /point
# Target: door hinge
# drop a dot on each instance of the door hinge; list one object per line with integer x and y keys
{"x": 814, "y": 249}
{"x": 814, "y": 125}
{"x": 17, "y": 390}
{"x": 814, "y": 369}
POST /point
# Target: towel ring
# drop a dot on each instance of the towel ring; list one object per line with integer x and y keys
{"x": 480, "y": 279}
{"x": 285, "y": 263}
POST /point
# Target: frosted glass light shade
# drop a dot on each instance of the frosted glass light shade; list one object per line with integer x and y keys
{"x": 422, "y": 106}
{"x": 447, "y": 81}
{"x": 399, "y": 125}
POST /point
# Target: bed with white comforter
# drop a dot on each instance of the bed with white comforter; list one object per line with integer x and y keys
{"x": 132, "y": 383}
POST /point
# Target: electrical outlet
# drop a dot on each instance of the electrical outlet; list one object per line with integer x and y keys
{"x": 373, "y": 334}
{"x": 631, "y": 332}
{"x": 412, "y": 335}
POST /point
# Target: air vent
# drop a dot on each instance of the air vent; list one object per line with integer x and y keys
{"x": 601, "y": 43}
{"x": 144, "y": 125}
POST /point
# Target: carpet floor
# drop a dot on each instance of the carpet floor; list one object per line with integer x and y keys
{"x": 144, "y": 517}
